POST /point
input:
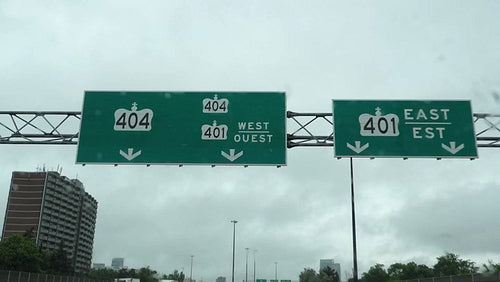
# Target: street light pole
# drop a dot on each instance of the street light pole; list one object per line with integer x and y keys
{"x": 191, "y": 273}
{"x": 276, "y": 271}
{"x": 234, "y": 236}
{"x": 246, "y": 265}
{"x": 254, "y": 251}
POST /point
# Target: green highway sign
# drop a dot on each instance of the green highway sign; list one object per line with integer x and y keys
{"x": 434, "y": 129}
{"x": 214, "y": 128}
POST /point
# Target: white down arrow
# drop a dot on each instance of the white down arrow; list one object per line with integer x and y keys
{"x": 231, "y": 156}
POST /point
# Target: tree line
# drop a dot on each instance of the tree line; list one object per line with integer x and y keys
{"x": 326, "y": 274}
{"x": 447, "y": 265}
{"x": 20, "y": 253}
{"x": 145, "y": 274}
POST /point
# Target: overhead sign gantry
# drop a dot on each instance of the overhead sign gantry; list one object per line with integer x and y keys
{"x": 304, "y": 129}
{"x": 215, "y": 128}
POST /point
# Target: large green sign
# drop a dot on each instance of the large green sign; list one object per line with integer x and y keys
{"x": 437, "y": 129}
{"x": 243, "y": 128}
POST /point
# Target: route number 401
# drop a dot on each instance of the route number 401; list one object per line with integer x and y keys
{"x": 214, "y": 131}
{"x": 379, "y": 125}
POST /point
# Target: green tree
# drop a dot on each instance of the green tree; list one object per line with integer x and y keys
{"x": 147, "y": 275}
{"x": 492, "y": 267}
{"x": 424, "y": 271}
{"x": 397, "y": 271}
{"x": 59, "y": 261}
{"x": 401, "y": 271}
{"x": 30, "y": 233}
{"x": 328, "y": 274}
{"x": 46, "y": 258}
{"x": 20, "y": 253}
{"x": 176, "y": 275}
{"x": 308, "y": 275}
{"x": 126, "y": 273}
{"x": 132, "y": 273}
{"x": 376, "y": 273}
{"x": 102, "y": 274}
{"x": 451, "y": 264}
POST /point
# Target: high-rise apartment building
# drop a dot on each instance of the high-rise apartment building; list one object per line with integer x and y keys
{"x": 56, "y": 210}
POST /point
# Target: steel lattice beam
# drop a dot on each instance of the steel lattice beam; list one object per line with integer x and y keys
{"x": 306, "y": 129}
{"x": 316, "y": 130}
{"x": 312, "y": 130}
{"x": 487, "y": 127}
{"x": 30, "y": 127}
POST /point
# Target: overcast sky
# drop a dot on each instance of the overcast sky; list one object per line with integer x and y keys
{"x": 316, "y": 51}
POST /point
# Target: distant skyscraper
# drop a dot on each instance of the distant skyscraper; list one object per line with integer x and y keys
{"x": 220, "y": 279}
{"x": 56, "y": 211}
{"x": 117, "y": 263}
{"x": 324, "y": 263}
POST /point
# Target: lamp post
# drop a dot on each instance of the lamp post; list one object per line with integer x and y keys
{"x": 254, "y": 251}
{"x": 276, "y": 271}
{"x": 246, "y": 265}
{"x": 234, "y": 236}
{"x": 191, "y": 272}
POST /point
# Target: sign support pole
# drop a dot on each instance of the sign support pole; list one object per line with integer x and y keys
{"x": 355, "y": 256}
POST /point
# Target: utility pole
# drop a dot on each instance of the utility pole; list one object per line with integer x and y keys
{"x": 254, "y": 251}
{"x": 191, "y": 272}
{"x": 276, "y": 271}
{"x": 234, "y": 232}
{"x": 246, "y": 265}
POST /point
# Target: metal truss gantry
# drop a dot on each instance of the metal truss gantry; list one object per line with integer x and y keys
{"x": 48, "y": 127}
{"x": 316, "y": 130}
{"x": 307, "y": 129}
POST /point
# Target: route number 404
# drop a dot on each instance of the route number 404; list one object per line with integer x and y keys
{"x": 126, "y": 120}
{"x": 215, "y": 105}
